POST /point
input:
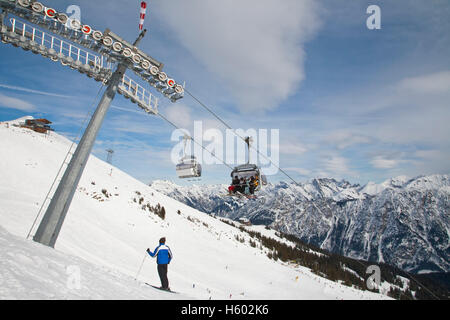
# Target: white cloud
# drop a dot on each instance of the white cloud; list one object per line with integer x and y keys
{"x": 129, "y": 123}
{"x": 255, "y": 47}
{"x": 383, "y": 163}
{"x": 14, "y": 103}
{"x": 433, "y": 83}
{"x": 428, "y": 154}
{"x": 129, "y": 109}
{"x": 300, "y": 171}
{"x": 40, "y": 92}
{"x": 180, "y": 115}
{"x": 410, "y": 110}
{"x": 345, "y": 138}
{"x": 433, "y": 161}
{"x": 289, "y": 148}
{"x": 336, "y": 166}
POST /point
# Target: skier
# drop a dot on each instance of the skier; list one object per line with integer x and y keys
{"x": 234, "y": 185}
{"x": 164, "y": 255}
{"x": 253, "y": 184}
{"x": 246, "y": 187}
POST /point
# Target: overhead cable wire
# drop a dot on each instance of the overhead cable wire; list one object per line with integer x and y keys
{"x": 239, "y": 136}
{"x": 284, "y": 172}
{"x": 199, "y": 144}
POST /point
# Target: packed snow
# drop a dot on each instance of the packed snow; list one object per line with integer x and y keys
{"x": 108, "y": 228}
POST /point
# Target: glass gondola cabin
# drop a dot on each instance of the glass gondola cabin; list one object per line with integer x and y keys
{"x": 188, "y": 167}
{"x": 250, "y": 170}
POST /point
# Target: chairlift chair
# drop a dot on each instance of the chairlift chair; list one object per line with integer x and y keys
{"x": 188, "y": 166}
{"x": 248, "y": 170}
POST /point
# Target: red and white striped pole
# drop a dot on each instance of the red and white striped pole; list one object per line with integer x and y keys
{"x": 142, "y": 15}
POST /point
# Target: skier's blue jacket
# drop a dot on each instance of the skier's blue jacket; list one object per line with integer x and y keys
{"x": 163, "y": 253}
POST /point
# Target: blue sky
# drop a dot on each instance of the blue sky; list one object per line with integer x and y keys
{"x": 349, "y": 102}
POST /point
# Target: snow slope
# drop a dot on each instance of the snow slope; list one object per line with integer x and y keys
{"x": 32, "y": 271}
{"x": 108, "y": 228}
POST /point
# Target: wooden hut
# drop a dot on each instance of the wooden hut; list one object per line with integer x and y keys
{"x": 38, "y": 125}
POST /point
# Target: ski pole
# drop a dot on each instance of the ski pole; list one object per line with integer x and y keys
{"x": 143, "y": 260}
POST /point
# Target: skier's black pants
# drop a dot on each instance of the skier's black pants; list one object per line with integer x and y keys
{"x": 162, "y": 271}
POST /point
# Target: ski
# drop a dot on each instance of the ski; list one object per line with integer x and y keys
{"x": 240, "y": 195}
{"x": 243, "y": 195}
{"x": 159, "y": 288}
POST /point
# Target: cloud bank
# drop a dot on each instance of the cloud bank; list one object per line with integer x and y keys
{"x": 255, "y": 47}
{"x": 14, "y": 103}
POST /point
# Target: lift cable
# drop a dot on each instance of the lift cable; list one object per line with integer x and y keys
{"x": 199, "y": 144}
{"x": 239, "y": 136}
{"x": 284, "y": 172}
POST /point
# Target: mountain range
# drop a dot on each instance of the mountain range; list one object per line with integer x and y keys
{"x": 403, "y": 221}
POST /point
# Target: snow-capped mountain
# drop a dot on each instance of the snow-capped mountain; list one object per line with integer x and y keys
{"x": 404, "y": 222}
{"x": 112, "y": 220}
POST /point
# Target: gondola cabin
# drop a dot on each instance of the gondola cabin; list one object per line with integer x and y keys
{"x": 188, "y": 167}
{"x": 247, "y": 171}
